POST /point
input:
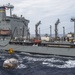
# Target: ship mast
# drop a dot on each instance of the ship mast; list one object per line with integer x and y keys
{"x": 50, "y": 33}
{"x": 63, "y": 33}
{"x": 10, "y": 7}
{"x": 73, "y": 20}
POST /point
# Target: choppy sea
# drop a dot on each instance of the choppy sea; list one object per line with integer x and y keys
{"x": 38, "y": 65}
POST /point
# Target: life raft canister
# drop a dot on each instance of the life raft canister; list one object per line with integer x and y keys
{"x": 10, "y": 63}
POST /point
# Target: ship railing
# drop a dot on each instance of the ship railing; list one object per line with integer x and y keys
{"x": 43, "y": 44}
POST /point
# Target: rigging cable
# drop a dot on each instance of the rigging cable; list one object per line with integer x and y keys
{"x": 10, "y": 38}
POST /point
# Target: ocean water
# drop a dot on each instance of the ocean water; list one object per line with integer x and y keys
{"x": 38, "y": 65}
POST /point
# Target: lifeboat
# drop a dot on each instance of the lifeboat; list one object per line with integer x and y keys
{"x": 37, "y": 41}
{"x": 5, "y": 32}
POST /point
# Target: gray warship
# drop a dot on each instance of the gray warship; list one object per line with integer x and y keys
{"x": 15, "y": 34}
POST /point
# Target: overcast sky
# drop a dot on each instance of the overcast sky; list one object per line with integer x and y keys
{"x": 48, "y": 11}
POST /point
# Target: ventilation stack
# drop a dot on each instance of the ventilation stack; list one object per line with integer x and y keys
{"x": 2, "y": 12}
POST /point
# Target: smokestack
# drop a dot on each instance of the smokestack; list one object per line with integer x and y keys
{"x": 2, "y": 13}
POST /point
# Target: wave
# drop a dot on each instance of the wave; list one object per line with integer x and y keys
{"x": 67, "y": 64}
{"x": 21, "y": 66}
{"x": 43, "y": 59}
{"x": 50, "y": 62}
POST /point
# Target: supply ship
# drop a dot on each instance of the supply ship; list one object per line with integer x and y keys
{"x": 15, "y": 34}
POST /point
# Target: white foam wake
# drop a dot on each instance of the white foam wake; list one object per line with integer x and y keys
{"x": 21, "y": 66}
{"x": 67, "y": 64}
{"x": 42, "y": 59}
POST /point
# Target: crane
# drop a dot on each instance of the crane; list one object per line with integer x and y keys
{"x": 56, "y": 30}
{"x": 36, "y": 29}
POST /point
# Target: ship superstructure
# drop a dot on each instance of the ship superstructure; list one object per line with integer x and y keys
{"x": 12, "y": 25}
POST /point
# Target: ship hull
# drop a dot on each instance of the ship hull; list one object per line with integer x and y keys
{"x": 42, "y": 50}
